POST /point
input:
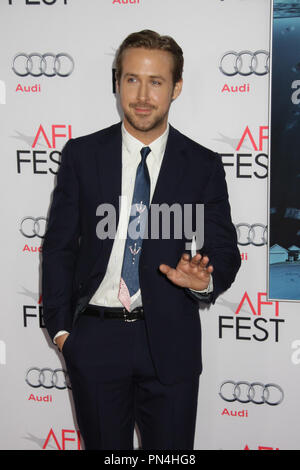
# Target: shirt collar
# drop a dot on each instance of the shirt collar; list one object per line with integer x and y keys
{"x": 134, "y": 145}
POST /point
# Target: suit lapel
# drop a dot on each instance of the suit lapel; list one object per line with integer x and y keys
{"x": 108, "y": 158}
{"x": 109, "y": 167}
{"x": 171, "y": 171}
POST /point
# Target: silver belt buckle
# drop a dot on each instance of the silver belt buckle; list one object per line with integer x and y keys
{"x": 128, "y": 320}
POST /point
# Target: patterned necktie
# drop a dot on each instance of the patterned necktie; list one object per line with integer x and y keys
{"x": 129, "y": 283}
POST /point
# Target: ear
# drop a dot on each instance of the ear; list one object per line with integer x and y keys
{"x": 118, "y": 86}
{"x": 177, "y": 89}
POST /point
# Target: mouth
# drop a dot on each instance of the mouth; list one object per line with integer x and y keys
{"x": 142, "y": 110}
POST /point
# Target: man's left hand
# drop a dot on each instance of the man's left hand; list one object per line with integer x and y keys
{"x": 193, "y": 273}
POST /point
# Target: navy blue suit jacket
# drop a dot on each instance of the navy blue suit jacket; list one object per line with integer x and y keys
{"x": 75, "y": 259}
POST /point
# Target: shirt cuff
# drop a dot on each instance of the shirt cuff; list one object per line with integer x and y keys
{"x": 62, "y": 332}
{"x": 209, "y": 288}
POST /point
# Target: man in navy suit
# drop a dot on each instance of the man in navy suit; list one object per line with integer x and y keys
{"x": 126, "y": 314}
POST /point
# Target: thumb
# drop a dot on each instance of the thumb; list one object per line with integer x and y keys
{"x": 165, "y": 269}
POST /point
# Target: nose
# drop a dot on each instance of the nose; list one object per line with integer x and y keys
{"x": 143, "y": 91}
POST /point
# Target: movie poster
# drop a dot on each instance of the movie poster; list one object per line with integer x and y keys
{"x": 284, "y": 186}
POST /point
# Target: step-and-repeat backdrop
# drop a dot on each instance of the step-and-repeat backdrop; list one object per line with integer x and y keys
{"x": 56, "y": 82}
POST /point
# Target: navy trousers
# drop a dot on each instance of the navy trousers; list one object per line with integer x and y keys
{"x": 115, "y": 387}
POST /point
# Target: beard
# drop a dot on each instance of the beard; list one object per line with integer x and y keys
{"x": 145, "y": 123}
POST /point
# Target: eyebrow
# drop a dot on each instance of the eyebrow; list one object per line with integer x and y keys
{"x": 160, "y": 77}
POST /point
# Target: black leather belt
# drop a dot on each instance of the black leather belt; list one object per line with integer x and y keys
{"x": 114, "y": 313}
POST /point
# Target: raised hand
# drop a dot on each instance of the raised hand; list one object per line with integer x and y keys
{"x": 193, "y": 273}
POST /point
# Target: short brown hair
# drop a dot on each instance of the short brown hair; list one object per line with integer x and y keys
{"x": 151, "y": 40}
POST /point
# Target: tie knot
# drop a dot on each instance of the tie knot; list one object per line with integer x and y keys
{"x": 145, "y": 152}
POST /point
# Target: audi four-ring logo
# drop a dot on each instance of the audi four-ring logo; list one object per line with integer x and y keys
{"x": 255, "y": 234}
{"x": 47, "y": 378}
{"x": 245, "y": 63}
{"x": 32, "y": 227}
{"x": 47, "y": 64}
{"x": 255, "y": 392}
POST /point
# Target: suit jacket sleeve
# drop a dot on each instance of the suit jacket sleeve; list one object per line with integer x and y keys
{"x": 60, "y": 247}
{"x": 220, "y": 238}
